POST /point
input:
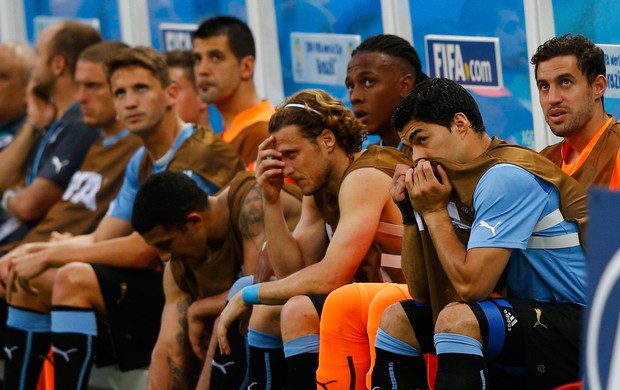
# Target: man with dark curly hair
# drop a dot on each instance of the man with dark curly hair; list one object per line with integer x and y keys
{"x": 347, "y": 221}
{"x": 570, "y": 75}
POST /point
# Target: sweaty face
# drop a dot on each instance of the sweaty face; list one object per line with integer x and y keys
{"x": 140, "y": 100}
{"x": 188, "y": 101}
{"x": 430, "y": 140}
{"x": 218, "y": 72}
{"x": 12, "y": 86}
{"x": 566, "y": 98}
{"x": 94, "y": 95}
{"x": 373, "y": 80}
{"x": 305, "y": 162}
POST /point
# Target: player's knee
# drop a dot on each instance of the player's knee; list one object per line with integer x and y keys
{"x": 73, "y": 279}
{"x": 298, "y": 318}
{"x": 456, "y": 318}
{"x": 395, "y": 322}
{"x": 266, "y": 319}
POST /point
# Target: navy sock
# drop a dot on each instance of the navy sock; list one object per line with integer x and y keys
{"x": 230, "y": 371}
{"x": 460, "y": 364}
{"x": 267, "y": 364}
{"x": 27, "y": 342}
{"x": 302, "y": 361}
{"x": 74, "y": 331}
{"x": 398, "y": 365}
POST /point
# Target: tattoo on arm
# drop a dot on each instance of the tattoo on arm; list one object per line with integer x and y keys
{"x": 176, "y": 375}
{"x": 182, "y": 307}
{"x": 252, "y": 217}
{"x": 178, "y": 381}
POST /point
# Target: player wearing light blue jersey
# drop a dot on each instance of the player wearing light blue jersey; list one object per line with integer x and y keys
{"x": 498, "y": 301}
{"x": 506, "y": 219}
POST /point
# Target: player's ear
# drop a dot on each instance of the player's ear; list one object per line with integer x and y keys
{"x": 460, "y": 124}
{"x": 59, "y": 65}
{"x": 327, "y": 139}
{"x": 599, "y": 86}
{"x": 405, "y": 84}
{"x": 172, "y": 93}
{"x": 247, "y": 67}
{"x": 194, "y": 219}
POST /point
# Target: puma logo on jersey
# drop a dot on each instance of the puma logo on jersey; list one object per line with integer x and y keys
{"x": 58, "y": 165}
{"x": 538, "y": 315}
{"x": 64, "y": 354}
{"x": 222, "y": 367}
{"x": 83, "y": 188}
{"x": 484, "y": 224}
{"x": 9, "y": 351}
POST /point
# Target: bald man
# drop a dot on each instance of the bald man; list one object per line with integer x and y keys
{"x": 16, "y": 60}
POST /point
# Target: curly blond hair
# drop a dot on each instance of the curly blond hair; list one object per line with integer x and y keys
{"x": 322, "y": 111}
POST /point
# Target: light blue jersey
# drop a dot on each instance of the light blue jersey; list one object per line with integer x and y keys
{"x": 122, "y": 205}
{"x": 547, "y": 263}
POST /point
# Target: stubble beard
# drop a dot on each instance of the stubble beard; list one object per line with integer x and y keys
{"x": 575, "y": 123}
{"x": 323, "y": 180}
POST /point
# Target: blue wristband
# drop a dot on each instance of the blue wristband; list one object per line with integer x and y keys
{"x": 250, "y": 294}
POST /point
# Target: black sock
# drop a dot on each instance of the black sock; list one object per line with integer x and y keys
{"x": 27, "y": 342}
{"x": 302, "y": 370}
{"x": 230, "y": 371}
{"x": 409, "y": 372}
{"x": 267, "y": 368}
{"x": 74, "y": 331}
{"x": 460, "y": 371}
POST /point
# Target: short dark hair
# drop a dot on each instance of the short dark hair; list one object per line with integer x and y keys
{"x": 393, "y": 46}
{"x": 142, "y": 56}
{"x": 590, "y": 58}
{"x": 437, "y": 100}
{"x": 183, "y": 59}
{"x": 71, "y": 39}
{"x": 101, "y": 52}
{"x": 313, "y": 110}
{"x": 240, "y": 38}
{"x": 165, "y": 199}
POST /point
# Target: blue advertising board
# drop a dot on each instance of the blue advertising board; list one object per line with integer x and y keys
{"x": 177, "y": 36}
{"x": 612, "y": 66}
{"x": 102, "y": 15}
{"x": 473, "y": 62}
{"x": 601, "y": 350}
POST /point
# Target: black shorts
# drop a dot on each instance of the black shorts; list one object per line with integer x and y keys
{"x": 421, "y": 319}
{"x": 134, "y": 300}
{"x": 536, "y": 342}
{"x": 550, "y": 341}
{"x": 318, "y": 300}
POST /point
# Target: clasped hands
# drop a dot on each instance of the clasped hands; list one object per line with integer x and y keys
{"x": 427, "y": 186}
